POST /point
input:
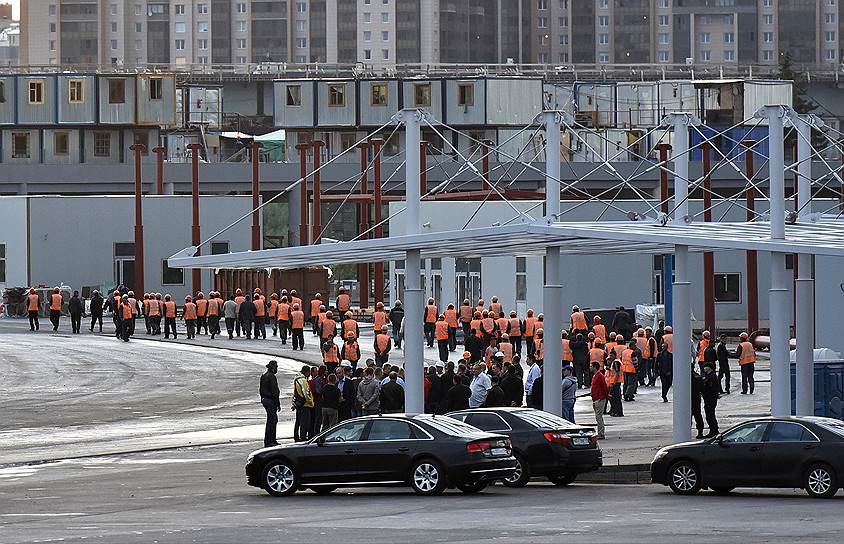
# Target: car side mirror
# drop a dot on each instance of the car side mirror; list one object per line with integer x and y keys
{"x": 720, "y": 441}
{"x": 320, "y": 441}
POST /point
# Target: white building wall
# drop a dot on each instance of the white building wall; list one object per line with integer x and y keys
{"x": 13, "y": 234}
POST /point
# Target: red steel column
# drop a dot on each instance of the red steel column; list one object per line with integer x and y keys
{"x": 752, "y": 286}
{"x": 363, "y": 268}
{"x": 159, "y": 169}
{"x": 423, "y": 167}
{"x": 303, "y": 193}
{"x": 256, "y": 196}
{"x": 708, "y": 257}
{"x": 663, "y": 206}
{"x": 317, "y": 218}
{"x": 139, "y": 220}
{"x": 378, "y": 267}
{"x": 195, "y": 232}
{"x": 485, "y": 165}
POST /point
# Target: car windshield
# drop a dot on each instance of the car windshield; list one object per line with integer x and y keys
{"x": 449, "y": 426}
{"x": 750, "y": 432}
{"x": 540, "y": 419}
{"x": 350, "y": 432}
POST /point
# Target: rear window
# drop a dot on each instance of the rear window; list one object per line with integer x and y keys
{"x": 449, "y": 426}
{"x": 833, "y": 428}
{"x": 540, "y": 419}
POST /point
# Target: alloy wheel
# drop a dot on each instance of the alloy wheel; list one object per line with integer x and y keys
{"x": 426, "y": 477}
{"x": 820, "y": 481}
{"x": 685, "y": 478}
{"x": 280, "y": 478}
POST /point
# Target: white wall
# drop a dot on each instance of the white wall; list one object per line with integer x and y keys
{"x": 13, "y": 235}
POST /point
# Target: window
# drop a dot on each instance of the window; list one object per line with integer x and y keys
{"x": 171, "y": 276}
{"x": 729, "y": 55}
{"x": 113, "y": 9}
{"x": 663, "y": 38}
{"x": 102, "y": 144}
{"x": 663, "y": 3}
{"x": 663, "y": 20}
{"x": 603, "y": 4}
{"x": 367, "y": 35}
{"x": 521, "y": 278}
{"x": 51, "y": 9}
{"x": 706, "y": 55}
{"x": 728, "y": 19}
{"x": 294, "y": 95}
{"x": 367, "y": 17}
{"x": 768, "y": 37}
{"x": 219, "y": 248}
{"x": 156, "y": 88}
{"x": 2, "y": 263}
{"x": 36, "y": 92}
{"x": 662, "y": 56}
{"x": 768, "y": 19}
{"x": 300, "y": 25}
{"x": 53, "y": 28}
{"x": 564, "y": 22}
{"x": 542, "y": 22}
{"x": 385, "y": 36}
{"x": 242, "y": 60}
{"x": 179, "y": 9}
{"x": 113, "y": 45}
{"x": 789, "y": 432}
{"x": 116, "y": 91}
{"x": 337, "y": 95}
{"x": 705, "y": 37}
{"x": 603, "y": 57}
{"x": 829, "y": 54}
{"x": 202, "y": 8}
{"x": 114, "y": 27}
{"x": 347, "y": 432}
{"x": 752, "y": 432}
{"x": 466, "y": 94}
{"x": 390, "y": 429}
{"x": 705, "y": 20}
{"x": 241, "y": 26}
{"x": 202, "y": 26}
{"x": 179, "y": 27}
{"x": 422, "y": 95}
{"x": 301, "y": 7}
{"x": 203, "y": 60}
{"x": 829, "y": 18}
{"x": 767, "y": 55}
{"x": 2, "y": 92}
{"x": 241, "y": 7}
{"x": 139, "y": 27}
{"x": 385, "y": 17}
{"x": 139, "y": 45}
{"x": 378, "y": 95}
{"x": 385, "y": 54}
{"x": 202, "y": 44}
{"x": 367, "y": 54}
{"x": 729, "y": 37}
{"x": 20, "y": 145}
{"x": 829, "y": 36}
{"x": 60, "y": 143}
{"x": 603, "y": 20}
{"x": 486, "y": 421}
{"x": 301, "y": 43}
{"x": 728, "y": 287}
{"x": 75, "y": 93}
{"x": 541, "y": 4}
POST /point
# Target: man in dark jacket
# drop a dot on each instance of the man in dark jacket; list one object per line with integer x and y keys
{"x": 621, "y": 323}
{"x": 246, "y": 315}
{"x": 97, "y": 302}
{"x": 76, "y": 308}
{"x": 536, "y": 394}
{"x": 270, "y": 401}
{"x": 513, "y": 386}
{"x": 495, "y": 397}
{"x": 392, "y": 396}
{"x": 331, "y": 400}
{"x": 457, "y": 398}
{"x": 395, "y": 317}
{"x": 710, "y": 357}
{"x": 475, "y": 347}
{"x": 435, "y": 393}
{"x": 697, "y": 385}
{"x": 580, "y": 355}
{"x": 709, "y": 392}
{"x": 723, "y": 356}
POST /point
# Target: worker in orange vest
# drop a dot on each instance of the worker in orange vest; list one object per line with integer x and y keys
{"x": 328, "y": 327}
{"x": 351, "y": 350}
{"x": 297, "y": 327}
{"x": 630, "y": 360}
{"x": 481, "y": 306}
{"x": 530, "y": 330}
{"x": 214, "y": 308}
{"x": 33, "y": 303}
{"x": 599, "y": 329}
{"x": 156, "y": 307}
{"x": 487, "y": 328}
{"x": 294, "y": 299}
{"x": 441, "y": 332}
{"x": 282, "y": 318}
{"x": 382, "y": 346}
{"x": 450, "y": 315}
{"x": 515, "y": 327}
{"x": 609, "y": 347}
{"x": 502, "y": 325}
{"x": 56, "y": 302}
{"x": 701, "y": 347}
{"x": 238, "y": 300}
{"x": 475, "y": 325}
{"x": 496, "y": 306}
{"x": 578, "y": 322}
{"x": 330, "y": 355}
{"x": 349, "y": 325}
{"x": 666, "y": 362}
{"x": 272, "y": 311}
{"x": 316, "y": 308}
{"x": 344, "y": 301}
{"x": 201, "y": 313}
{"x": 145, "y": 309}
{"x": 597, "y": 354}
{"x": 430, "y": 318}
{"x": 650, "y": 357}
{"x": 506, "y": 347}
{"x": 746, "y": 354}
{"x": 169, "y": 317}
{"x": 126, "y": 318}
{"x": 466, "y": 314}
{"x": 614, "y": 383}
{"x": 538, "y": 346}
{"x": 260, "y": 315}
{"x": 189, "y": 316}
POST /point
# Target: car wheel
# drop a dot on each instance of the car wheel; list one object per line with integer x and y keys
{"x": 684, "y": 478}
{"x": 562, "y": 480}
{"x": 324, "y": 490}
{"x": 722, "y": 490}
{"x": 470, "y": 488}
{"x": 280, "y": 479}
{"x": 427, "y": 477}
{"x": 820, "y": 481}
{"x": 520, "y": 476}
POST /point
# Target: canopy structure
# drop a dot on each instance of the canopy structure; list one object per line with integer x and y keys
{"x": 672, "y": 231}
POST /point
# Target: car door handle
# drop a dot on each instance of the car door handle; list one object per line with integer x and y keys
{"x": 754, "y": 448}
{"x": 404, "y": 449}
{"x": 808, "y": 447}
{"x": 349, "y": 451}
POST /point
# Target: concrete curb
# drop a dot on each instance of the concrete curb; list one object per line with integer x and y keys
{"x": 618, "y": 474}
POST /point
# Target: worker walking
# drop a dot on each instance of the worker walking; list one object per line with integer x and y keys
{"x": 270, "y": 401}
{"x": 297, "y": 328}
{"x": 56, "y": 302}
{"x": 709, "y": 391}
{"x": 697, "y": 385}
{"x": 466, "y": 313}
{"x": 530, "y": 331}
{"x": 189, "y": 316}
{"x": 578, "y": 322}
{"x": 396, "y": 318}
{"x": 260, "y": 316}
{"x": 316, "y": 305}
{"x": 246, "y": 316}
{"x": 441, "y": 328}
{"x": 125, "y": 318}
{"x": 238, "y": 300}
{"x": 230, "y": 315}
{"x": 666, "y": 362}
{"x": 629, "y": 361}
{"x": 96, "y": 309}
{"x": 723, "y": 356}
{"x": 201, "y": 313}
{"x": 33, "y": 303}
{"x": 614, "y": 384}
{"x": 599, "y": 329}
{"x": 747, "y": 363}
{"x": 75, "y": 307}
{"x": 382, "y": 346}
{"x": 430, "y": 318}
{"x": 349, "y": 325}
{"x": 169, "y": 317}
{"x": 344, "y": 301}
{"x": 450, "y": 315}
{"x": 351, "y": 350}
{"x": 514, "y": 332}
{"x": 283, "y": 318}
{"x": 213, "y": 317}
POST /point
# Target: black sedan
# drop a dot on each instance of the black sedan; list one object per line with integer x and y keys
{"x": 428, "y": 453}
{"x": 790, "y": 452}
{"x": 543, "y": 444}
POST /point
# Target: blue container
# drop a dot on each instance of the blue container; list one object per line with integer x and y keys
{"x": 829, "y": 389}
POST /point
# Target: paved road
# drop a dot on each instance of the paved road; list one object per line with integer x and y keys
{"x": 200, "y": 495}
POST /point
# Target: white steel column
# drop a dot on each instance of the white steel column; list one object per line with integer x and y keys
{"x": 552, "y": 303}
{"x": 805, "y": 288}
{"x": 778, "y": 294}
{"x": 681, "y": 289}
{"x": 414, "y": 349}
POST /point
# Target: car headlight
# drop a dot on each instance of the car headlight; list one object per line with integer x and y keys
{"x": 661, "y": 454}
{"x": 250, "y": 458}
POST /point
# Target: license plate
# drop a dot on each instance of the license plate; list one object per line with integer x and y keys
{"x": 499, "y": 451}
{"x": 580, "y": 441}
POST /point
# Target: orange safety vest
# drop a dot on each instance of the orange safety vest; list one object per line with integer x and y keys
{"x": 189, "y": 311}
{"x": 381, "y": 342}
{"x": 321, "y": 317}
{"x": 627, "y": 364}
{"x": 330, "y": 355}
{"x": 344, "y": 302}
{"x": 296, "y": 300}
{"x": 283, "y": 312}
{"x": 145, "y": 305}
{"x": 530, "y": 325}
{"x": 539, "y": 349}
{"x": 475, "y": 325}
{"x": 466, "y": 313}
{"x": 609, "y": 347}
{"x": 668, "y": 340}
{"x": 32, "y": 303}
{"x": 260, "y": 309}
{"x": 273, "y": 307}
{"x": 496, "y": 307}
{"x": 127, "y": 312}
{"x": 578, "y": 321}
{"x": 507, "y": 349}
{"x": 201, "y": 307}
{"x": 612, "y": 377}
{"x": 488, "y": 325}
{"x": 298, "y": 319}
{"x": 442, "y": 330}
{"x": 644, "y": 346}
{"x": 502, "y": 323}
{"x": 239, "y": 300}
{"x": 748, "y": 354}
{"x": 619, "y": 349}
{"x": 154, "y": 307}
{"x": 329, "y": 327}
{"x": 567, "y": 354}
{"x": 431, "y": 313}
{"x": 701, "y": 347}
{"x": 133, "y": 302}
{"x": 55, "y": 301}
{"x": 350, "y": 325}
{"x": 351, "y": 352}
{"x": 515, "y": 327}
{"x": 169, "y": 308}
{"x": 451, "y": 318}
{"x": 315, "y": 304}
{"x": 379, "y": 318}
{"x": 213, "y": 307}
{"x": 600, "y": 332}
{"x": 479, "y": 309}
{"x": 597, "y": 355}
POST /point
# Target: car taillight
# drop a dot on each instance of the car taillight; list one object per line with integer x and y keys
{"x": 593, "y": 438}
{"x": 558, "y": 438}
{"x": 479, "y": 447}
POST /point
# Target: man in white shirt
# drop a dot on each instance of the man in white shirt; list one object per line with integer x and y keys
{"x": 479, "y": 387}
{"x": 533, "y": 372}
